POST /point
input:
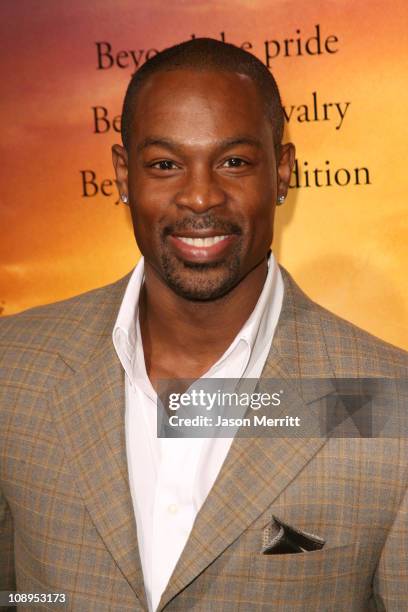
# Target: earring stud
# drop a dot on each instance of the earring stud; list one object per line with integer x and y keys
{"x": 280, "y": 200}
{"x": 124, "y": 198}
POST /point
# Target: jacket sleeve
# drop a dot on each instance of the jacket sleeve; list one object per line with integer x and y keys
{"x": 391, "y": 577}
{"x": 7, "y": 575}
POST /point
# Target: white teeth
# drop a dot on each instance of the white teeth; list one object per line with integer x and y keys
{"x": 202, "y": 242}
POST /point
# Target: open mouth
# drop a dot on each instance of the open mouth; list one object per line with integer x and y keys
{"x": 202, "y": 242}
{"x": 201, "y": 248}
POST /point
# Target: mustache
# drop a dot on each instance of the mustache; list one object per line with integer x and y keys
{"x": 205, "y": 222}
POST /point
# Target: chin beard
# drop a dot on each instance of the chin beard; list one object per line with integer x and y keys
{"x": 199, "y": 281}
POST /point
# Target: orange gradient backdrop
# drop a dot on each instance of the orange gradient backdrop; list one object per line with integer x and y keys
{"x": 346, "y": 245}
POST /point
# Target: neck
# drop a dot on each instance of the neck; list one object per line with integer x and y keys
{"x": 172, "y": 327}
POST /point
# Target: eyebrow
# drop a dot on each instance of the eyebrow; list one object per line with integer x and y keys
{"x": 173, "y": 145}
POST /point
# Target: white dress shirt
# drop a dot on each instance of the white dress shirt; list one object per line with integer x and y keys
{"x": 170, "y": 478}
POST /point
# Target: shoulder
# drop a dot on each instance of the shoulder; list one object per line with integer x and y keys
{"x": 368, "y": 355}
{"x": 42, "y": 326}
{"x": 37, "y": 337}
{"x": 351, "y": 350}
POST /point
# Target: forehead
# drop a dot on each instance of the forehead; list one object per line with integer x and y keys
{"x": 198, "y": 106}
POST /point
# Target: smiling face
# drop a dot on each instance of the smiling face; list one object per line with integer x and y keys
{"x": 202, "y": 179}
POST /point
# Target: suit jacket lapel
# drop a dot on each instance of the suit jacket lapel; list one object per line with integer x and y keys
{"x": 89, "y": 412}
{"x": 257, "y": 470}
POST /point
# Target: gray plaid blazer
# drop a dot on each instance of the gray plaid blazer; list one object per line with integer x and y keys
{"x": 66, "y": 517}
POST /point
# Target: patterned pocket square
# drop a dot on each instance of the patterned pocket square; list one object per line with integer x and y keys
{"x": 279, "y": 538}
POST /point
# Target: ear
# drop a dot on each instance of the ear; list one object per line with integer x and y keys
{"x": 285, "y": 160}
{"x": 120, "y": 163}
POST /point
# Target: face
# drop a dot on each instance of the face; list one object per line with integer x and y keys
{"x": 202, "y": 176}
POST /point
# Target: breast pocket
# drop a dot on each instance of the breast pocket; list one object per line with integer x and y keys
{"x": 314, "y": 566}
{"x": 331, "y": 579}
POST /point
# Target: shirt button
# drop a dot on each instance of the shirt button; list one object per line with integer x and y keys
{"x": 173, "y": 508}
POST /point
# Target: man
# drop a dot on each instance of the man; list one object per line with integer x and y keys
{"x": 93, "y": 504}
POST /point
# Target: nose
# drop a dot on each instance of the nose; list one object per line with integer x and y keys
{"x": 200, "y": 190}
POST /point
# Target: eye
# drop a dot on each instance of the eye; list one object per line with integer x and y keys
{"x": 164, "y": 164}
{"x": 235, "y": 162}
